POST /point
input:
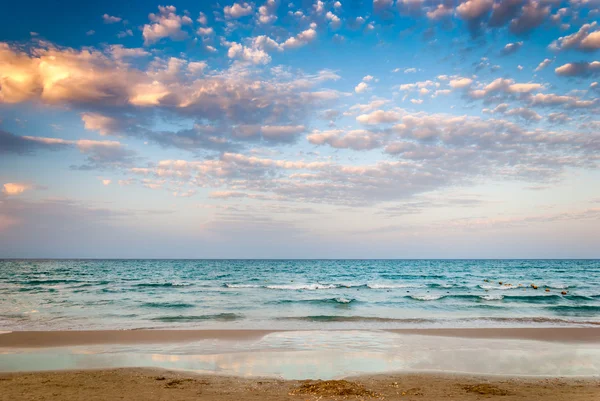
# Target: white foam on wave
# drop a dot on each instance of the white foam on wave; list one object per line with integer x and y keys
{"x": 502, "y": 288}
{"x": 427, "y": 297}
{"x": 301, "y": 287}
{"x": 343, "y": 300}
{"x": 376, "y": 286}
{"x": 557, "y": 286}
{"x": 242, "y": 286}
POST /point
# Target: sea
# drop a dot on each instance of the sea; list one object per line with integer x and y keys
{"x": 297, "y": 294}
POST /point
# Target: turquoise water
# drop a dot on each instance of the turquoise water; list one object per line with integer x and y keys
{"x": 296, "y": 294}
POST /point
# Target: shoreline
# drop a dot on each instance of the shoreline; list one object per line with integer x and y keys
{"x": 159, "y": 384}
{"x": 48, "y": 339}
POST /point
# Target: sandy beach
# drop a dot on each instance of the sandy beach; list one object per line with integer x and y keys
{"x": 34, "y": 339}
{"x": 166, "y": 383}
{"x": 155, "y": 384}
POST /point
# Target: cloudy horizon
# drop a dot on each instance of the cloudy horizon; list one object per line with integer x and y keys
{"x": 301, "y": 129}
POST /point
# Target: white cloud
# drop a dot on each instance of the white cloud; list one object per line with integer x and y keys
{"x": 164, "y": 24}
{"x": 459, "y": 83}
{"x": 543, "y": 64}
{"x": 205, "y": 31}
{"x": 335, "y": 21}
{"x": 15, "y": 188}
{"x": 586, "y": 39}
{"x": 361, "y": 87}
{"x": 108, "y": 19}
{"x": 301, "y": 39}
{"x": 379, "y": 117}
{"x": 97, "y": 122}
{"x": 253, "y": 55}
{"x": 237, "y": 10}
{"x": 267, "y": 12}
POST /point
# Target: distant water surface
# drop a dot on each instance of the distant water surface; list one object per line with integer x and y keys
{"x": 297, "y": 294}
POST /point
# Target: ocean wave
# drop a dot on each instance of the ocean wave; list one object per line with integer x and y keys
{"x": 557, "y": 286}
{"x": 242, "y": 285}
{"x": 187, "y": 318}
{"x": 377, "y": 286}
{"x": 492, "y": 297}
{"x": 501, "y": 287}
{"x": 338, "y": 318}
{"x": 36, "y": 289}
{"x": 170, "y": 305}
{"x": 49, "y": 281}
{"x": 427, "y": 297}
{"x": 575, "y": 309}
{"x": 330, "y": 301}
{"x": 301, "y": 286}
{"x": 163, "y": 285}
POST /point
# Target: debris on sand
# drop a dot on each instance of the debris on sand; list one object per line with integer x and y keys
{"x": 175, "y": 383}
{"x": 331, "y": 388}
{"x": 485, "y": 389}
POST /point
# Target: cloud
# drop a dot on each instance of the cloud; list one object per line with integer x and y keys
{"x": 253, "y": 55}
{"x": 587, "y": 38}
{"x": 579, "y": 69}
{"x": 459, "y": 83}
{"x": 15, "y": 188}
{"x": 511, "y": 48}
{"x": 11, "y": 143}
{"x": 474, "y": 12}
{"x": 504, "y": 11}
{"x": 431, "y": 152}
{"x": 125, "y": 33}
{"x": 361, "y": 87}
{"x": 543, "y": 64}
{"x": 379, "y": 117}
{"x": 110, "y": 19}
{"x": 504, "y": 87}
{"x": 114, "y": 97}
{"x": 532, "y": 15}
{"x": 281, "y": 133}
{"x": 440, "y": 12}
{"x": 237, "y": 10}
{"x": 100, "y": 154}
{"x": 340, "y": 139}
{"x": 522, "y": 112}
{"x": 302, "y": 39}
{"x": 103, "y": 124}
{"x": 165, "y": 24}
{"x": 267, "y": 12}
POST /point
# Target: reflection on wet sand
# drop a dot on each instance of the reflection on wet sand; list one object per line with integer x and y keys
{"x": 325, "y": 355}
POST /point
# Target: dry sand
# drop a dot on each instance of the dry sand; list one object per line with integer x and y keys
{"x": 154, "y": 384}
{"x": 35, "y": 339}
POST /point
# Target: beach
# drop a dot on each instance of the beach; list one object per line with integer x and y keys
{"x": 539, "y": 363}
{"x": 43, "y": 339}
{"x": 156, "y": 384}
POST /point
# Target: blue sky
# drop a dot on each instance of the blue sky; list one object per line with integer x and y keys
{"x": 300, "y": 129}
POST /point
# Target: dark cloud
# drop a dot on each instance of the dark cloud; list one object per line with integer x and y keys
{"x": 11, "y": 143}
{"x": 532, "y": 16}
{"x": 504, "y": 11}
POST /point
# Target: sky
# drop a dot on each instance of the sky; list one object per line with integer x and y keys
{"x": 300, "y": 129}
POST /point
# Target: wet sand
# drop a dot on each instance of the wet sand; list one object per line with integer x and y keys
{"x": 37, "y": 339}
{"x": 155, "y": 384}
